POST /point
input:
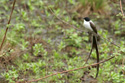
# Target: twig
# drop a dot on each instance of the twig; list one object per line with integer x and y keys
{"x": 60, "y": 18}
{"x": 57, "y": 16}
{"x": 70, "y": 70}
{"x": 121, "y": 8}
{"x": 7, "y": 26}
{"x": 111, "y": 42}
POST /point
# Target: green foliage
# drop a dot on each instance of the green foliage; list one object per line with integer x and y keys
{"x": 72, "y": 38}
{"x": 37, "y": 42}
{"x": 24, "y": 15}
{"x": 11, "y": 75}
{"x": 61, "y": 45}
{"x": 97, "y": 4}
{"x": 72, "y": 1}
{"x": 38, "y": 48}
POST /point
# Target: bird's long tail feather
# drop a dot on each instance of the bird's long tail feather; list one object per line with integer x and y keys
{"x": 97, "y": 53}
{"x": 89, "y": 53}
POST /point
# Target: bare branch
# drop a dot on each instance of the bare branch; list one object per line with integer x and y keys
{"x": 121, "y": 8}
{"x": 7, "y": 26}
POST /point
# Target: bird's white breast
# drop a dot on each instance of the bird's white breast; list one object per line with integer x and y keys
{"x": 87, "y": 25}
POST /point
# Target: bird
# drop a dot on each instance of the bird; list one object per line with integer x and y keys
{"x": 90, "y": 26}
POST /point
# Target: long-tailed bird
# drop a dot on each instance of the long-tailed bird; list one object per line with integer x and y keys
{"x": 90, "y": 26}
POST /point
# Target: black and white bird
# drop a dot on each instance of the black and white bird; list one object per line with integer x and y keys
{"x": 90, "y": 26}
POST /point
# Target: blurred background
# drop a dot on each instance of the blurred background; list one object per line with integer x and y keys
{"x": 47, "y": 36}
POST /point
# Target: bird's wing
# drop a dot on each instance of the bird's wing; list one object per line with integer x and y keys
{"x": 93, "y": 27}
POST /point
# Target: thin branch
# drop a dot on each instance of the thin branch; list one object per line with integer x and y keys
{"x": 121, "y": 8}
{"x": 70, "y": 70}
{"x": 57, "y": 16}
{"x": 60, "y": 18}
{"x": 110, "y": 42}
{"x": 7, "y": 26}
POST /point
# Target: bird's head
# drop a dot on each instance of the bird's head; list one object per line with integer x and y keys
{"x": 86, "y": 19}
